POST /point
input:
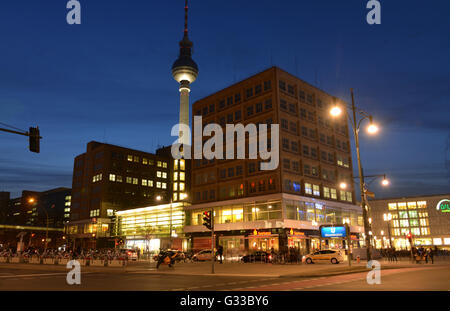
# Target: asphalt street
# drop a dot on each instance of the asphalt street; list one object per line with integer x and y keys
{"x": 405, "y": 279}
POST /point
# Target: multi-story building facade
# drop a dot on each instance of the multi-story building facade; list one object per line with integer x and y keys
{"x": 4, "y": 206}
{"x": 33, "y": 207}
{"x": 257, "y": 209}
{"x": 426, "y": 217}
{"x": 108, "y": 179}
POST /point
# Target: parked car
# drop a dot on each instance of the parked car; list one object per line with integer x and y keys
{"x": 259, "y": 256}
{"x": 202, "y": 255}
{"x": 130, "y": 253}
{"x": 328, "y": 255}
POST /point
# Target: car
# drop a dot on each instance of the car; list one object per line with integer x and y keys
{"x": 202, "y": 255}
{"x": 328, "y": 255}
{"x": 259, "y": 256}
{"x": 130, "y": 253}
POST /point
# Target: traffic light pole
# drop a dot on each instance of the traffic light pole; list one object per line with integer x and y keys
{"x": 213, "y": 257}
{"x": 33, "y": 135}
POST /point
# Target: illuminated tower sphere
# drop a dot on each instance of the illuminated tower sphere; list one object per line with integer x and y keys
{"x": 185, "y": 71}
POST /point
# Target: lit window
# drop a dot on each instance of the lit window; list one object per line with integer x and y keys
{"x": 397, "y": 232}
{"x": 136, "y": 159}
{"x": 414, "y": 223}
{"x": 164, "y": 185}
{"x": 308, "y": 188}
{"x": 135, "y": 181}
{"x": 159, "y": 164}
{"x": 349, "y": 196}
{"x": 109, "y": 212}
{"x": 424, "y": 222}
{"x": 164, "y": 175}
{"x": 130, "y": 158}
{"x": 144, "y": 161}
{"x": 175, "y": 196}
{"x": 425, "y": 230}
{"x": 326, "y": 192}
{"x": 175, "y": 165}
{"x": 181, "y": 186}
{"x": 412, "y": 205}
{"x": 333, "y": 193}
{"x": 415, "y": 231}
{"x": 422, "y": 204}
{"x": 158, "y": 174}
{"x": 182, "y": 176}
{"x": 316, "y": 190}
{"x": 129, "y": 179}
{"x": 396, "y": 223}
{"x": 404, "y": 223}
{"x": 158, "y": 184}
{"x": 150, "y": 183}
{"x": 112, "y": 177}
{"x": 144, "y": 182}
{"x": 175, "y": 186}
{"x": 119, "y": 178}
{"x": 164, "y": 164}
{"x": 342, "y": 195}
{"x": 412, "y": 214}
{"x": 175, "y": 176}
{"x": 182, "y": 165}
{"x": 402, "y": 205}
{"x": 392, "y": 206}
{"x": 447, "y": 241}
{"x": 437, "y": 241}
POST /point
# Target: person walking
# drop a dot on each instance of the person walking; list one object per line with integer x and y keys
{"x": 220, "y": 252}
{"x": 430, "y": 255}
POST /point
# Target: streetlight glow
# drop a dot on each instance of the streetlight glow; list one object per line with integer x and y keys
{"x": 385, "y": 182}
{"x": 336, "y": 111}
{"x": 31, "y": 200}
{"x": 372, "y": 128}
{"x": 158, "y": 198}
{"x": 343, "y": 185}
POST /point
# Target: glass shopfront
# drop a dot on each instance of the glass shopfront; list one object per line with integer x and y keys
{"x": 263, "y": 242}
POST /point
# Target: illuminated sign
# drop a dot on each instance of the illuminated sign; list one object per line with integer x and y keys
{"x": 443, "y": 206}
{"x": 255, "y": 232}
{"x": 333, "y": 232}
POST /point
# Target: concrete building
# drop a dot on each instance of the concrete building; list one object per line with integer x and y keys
{"x": 426, "y": 217}
{"x": 284, "y": 207}
{"x": 109, "y": 178}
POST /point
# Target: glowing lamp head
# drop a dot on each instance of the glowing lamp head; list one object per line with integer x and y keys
{"x": 31, "y": 200}
{"x": 158, "y": 198}
{"x": 385, "y": 182}
{"x": 335, "y": 111}
{"x": 372, "y": 128}
{"x": 343, "y": 185}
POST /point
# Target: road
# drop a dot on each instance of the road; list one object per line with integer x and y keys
{"x": 407, "y": 279}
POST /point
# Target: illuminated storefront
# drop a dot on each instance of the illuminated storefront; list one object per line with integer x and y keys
{"x": 279, "y": 221}
{"x": 426, "y": 218}
{"x": 148, "y": 228}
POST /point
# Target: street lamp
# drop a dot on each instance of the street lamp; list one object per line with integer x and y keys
{"x": 33, "y": 201}
{"x": 388, "y": 217}
{"x": 356, "y": 123}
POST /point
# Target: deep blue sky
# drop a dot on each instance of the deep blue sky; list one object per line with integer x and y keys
{"x": 109, "y": 79}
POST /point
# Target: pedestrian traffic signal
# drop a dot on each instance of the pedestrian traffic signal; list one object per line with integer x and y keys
{"x": 34, "y": 138}
{"x": 409, "y": 237}
{"x": 207, "y": 220}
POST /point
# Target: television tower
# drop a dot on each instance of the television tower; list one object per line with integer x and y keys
{"x": 185, "y": 71}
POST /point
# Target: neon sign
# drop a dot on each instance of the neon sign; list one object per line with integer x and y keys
{"x": 443, "y": 206}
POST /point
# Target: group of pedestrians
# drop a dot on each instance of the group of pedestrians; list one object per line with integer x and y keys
{"x": 390, "y": 254}
{"x": 423, "y": 254}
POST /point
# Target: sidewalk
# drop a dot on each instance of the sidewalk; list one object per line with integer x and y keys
{"x": 232, "y": 269}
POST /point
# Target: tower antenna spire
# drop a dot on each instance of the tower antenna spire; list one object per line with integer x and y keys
{"x": 186, "y": 8}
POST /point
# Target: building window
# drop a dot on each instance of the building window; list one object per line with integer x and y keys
{"x": 267, "y": 85}
{"x": 164, "y": 185}
{"x": 135, "y": 181}
{"x": 326, "y": 192}
{"x": 109, "y": 212}
{"x": 112, "y": 177}
{"x": 144, "y": 161}
{"x": 129, "y": 180}
{"x": 159, "y": 164}
{"x": 158, "y": 184}
{"x": 144, "y": 182}
{"x": 316, "y": 190}
{"x": 130, "y": 158}
{"x": 158, "y": 174}
{"x": 182, "y": 176}
{"x": 308, "y": 188}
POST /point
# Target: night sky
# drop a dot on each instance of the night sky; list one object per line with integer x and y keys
{"x": 109, "y": 78}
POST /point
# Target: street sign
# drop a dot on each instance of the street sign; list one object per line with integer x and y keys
{"x": 333, "y": 231}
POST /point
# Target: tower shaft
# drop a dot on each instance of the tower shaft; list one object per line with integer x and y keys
{"x": 184, "y": 111}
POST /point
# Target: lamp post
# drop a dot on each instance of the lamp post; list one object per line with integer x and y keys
{"x": 33, "y": 201}
{"x": 346, "y": 222}
{"x": 372, "y": 129}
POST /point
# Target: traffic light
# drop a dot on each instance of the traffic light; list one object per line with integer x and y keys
{"x": 409, "y": 237}
{"x": 34, "y": 138}
{"x": 207, "y": 220}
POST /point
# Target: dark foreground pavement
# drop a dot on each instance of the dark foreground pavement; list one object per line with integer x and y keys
{"x": 142, "y": 277}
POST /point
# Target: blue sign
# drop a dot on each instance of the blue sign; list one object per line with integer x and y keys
{"x": 333, "y": 232}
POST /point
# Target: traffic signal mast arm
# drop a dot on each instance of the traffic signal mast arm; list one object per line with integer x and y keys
{"x": 33, "y": 134}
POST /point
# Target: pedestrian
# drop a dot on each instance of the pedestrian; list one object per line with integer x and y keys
{"x": 430, "y": 255}
{"x": 220, "y": 252}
